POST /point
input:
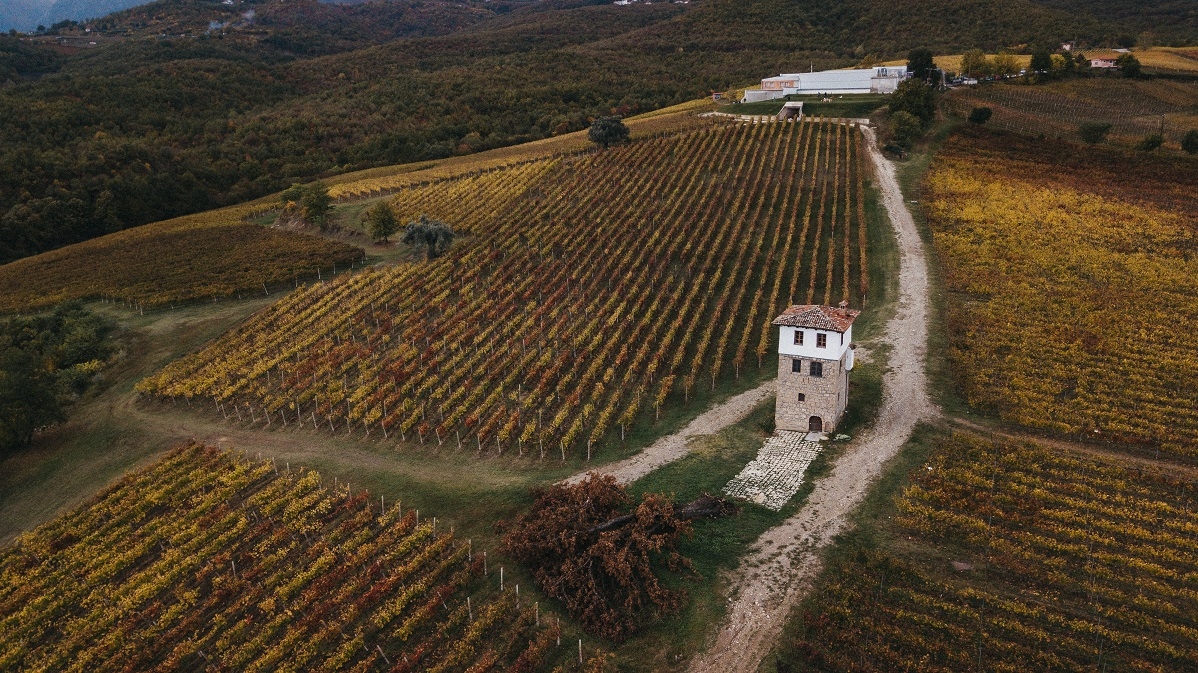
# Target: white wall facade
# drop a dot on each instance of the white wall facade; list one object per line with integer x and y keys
{"x": 838, "y": 344}
{"x": 881, "y": 79}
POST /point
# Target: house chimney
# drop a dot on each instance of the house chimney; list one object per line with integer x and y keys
{"x": 844, "y": 308}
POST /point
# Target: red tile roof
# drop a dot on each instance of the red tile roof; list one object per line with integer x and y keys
{"x": 818, "y": 317}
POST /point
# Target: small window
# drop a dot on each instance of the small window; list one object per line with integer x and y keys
{"x": 802, "y": 397}
{"x": 796, "y": 366}
{"x": 817, "y": 369}
{"x": 798, "y": 337}
{"x": 821, "y": 340}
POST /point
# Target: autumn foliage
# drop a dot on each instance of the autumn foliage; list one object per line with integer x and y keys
{"x": 208, "y": 561}
{"x": 1014, "y": 557}
{"x": 1071, "y": 275}
{"x": 585, "y": 293}
{"x": 600, "y": 562}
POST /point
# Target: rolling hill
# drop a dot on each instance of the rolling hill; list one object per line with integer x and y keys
{"x": 197, "y": 117}
{"x": 27, "y": 15}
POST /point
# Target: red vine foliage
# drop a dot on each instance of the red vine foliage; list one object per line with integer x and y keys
{"x": 587, "y": 551}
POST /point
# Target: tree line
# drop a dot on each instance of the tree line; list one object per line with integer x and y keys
{"x": 46, "y": 361}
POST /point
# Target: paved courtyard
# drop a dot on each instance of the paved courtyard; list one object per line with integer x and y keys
{"x": 773, "y": 478}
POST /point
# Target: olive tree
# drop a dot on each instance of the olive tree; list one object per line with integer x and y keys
{"x": 608, "y": 131}
{"x": 434, "y": 235}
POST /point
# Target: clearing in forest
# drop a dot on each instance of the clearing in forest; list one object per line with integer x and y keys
{"x": 1072, "y": 276}
{"x": 1011, "y": 557}
{"x": 585, "y": 291}
{"x": 208, "y": 560}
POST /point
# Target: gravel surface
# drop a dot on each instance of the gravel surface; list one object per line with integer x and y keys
{"x": 779, "y": 570}
{"x": 672, "y": 447}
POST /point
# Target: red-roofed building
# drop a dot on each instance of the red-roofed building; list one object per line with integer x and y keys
{"x": 815, "y": 354}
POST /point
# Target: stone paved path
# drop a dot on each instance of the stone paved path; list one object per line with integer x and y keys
{"x": 774, "y": 476}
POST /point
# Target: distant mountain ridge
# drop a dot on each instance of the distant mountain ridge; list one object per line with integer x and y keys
{"x": 27, "y": 15}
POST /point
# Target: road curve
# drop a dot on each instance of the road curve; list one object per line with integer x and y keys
{"x": 779, "y": 570}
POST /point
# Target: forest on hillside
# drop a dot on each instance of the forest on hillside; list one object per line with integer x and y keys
{"x": 189, "y": 105}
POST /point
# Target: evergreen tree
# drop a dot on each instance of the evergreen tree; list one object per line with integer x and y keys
{"x": 1041, "y": 62}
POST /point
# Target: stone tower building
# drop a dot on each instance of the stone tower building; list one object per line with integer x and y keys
{"x": 815, "y": 354}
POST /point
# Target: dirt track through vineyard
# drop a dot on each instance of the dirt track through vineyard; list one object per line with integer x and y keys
{"x": 672, "y": 447}
{"x": 785, "y": 560}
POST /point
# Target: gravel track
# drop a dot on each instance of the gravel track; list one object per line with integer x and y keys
{"x": 784, "y": 561}
{"x": 672, "y": 447}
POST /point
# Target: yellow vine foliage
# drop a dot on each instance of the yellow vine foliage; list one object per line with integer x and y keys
{"x": 1073, "y": 304}
{"x": 205, "y": 560}
{"x": 1070, "y": 561}
{"x": 585, "y": 290}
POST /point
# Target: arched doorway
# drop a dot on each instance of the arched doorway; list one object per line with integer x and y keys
{"x": 816, "y": 424}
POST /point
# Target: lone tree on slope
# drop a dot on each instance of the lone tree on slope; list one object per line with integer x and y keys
{"x": 980, "y": 115}
{"x": 1190, "y": 142}
{"x": 313, "y": 200}
{"x": 435, "y": 235}
{"x": 1093, "y": 132}
{"x": 608, "y": 131}
{"x": 380, "y": 222}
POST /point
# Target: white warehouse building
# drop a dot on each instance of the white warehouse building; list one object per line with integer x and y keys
{"x": 880, "y": 79}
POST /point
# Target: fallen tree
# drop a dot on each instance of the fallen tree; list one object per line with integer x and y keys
{"x": 587, "y": 551}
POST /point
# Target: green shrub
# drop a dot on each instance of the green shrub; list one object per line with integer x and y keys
{"x": 1150, "y": 142}
{"x": 1094, "y": 132}
{"x": 980, "y": 115}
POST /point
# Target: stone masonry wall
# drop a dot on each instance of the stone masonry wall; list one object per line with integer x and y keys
{"x": 825, "y": 396}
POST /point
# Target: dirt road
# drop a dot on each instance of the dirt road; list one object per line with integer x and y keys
{"x": 672, "y": 447}
{"x": 778, "y": 572}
